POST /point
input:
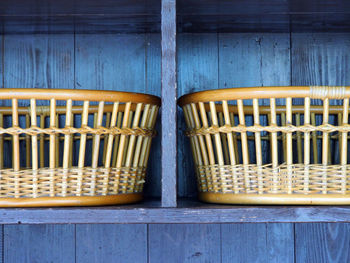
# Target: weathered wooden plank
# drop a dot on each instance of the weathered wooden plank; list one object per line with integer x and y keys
{"x": 169, "y": 107}
{"x": 184, "y": 243}
{"x": 153, "y": 86}
{"x": 111, "y": 243}
{"x": 320, "y": 59}
{"x": 103, "y": 62}
{"x": 39, "y": 243}
{"x": 193, "y": 212}
{"x": 322, "y": 242}
{"x": 255, "y": 60}
{"x": 39, "y": 61}
{"x": 197, "y": 70}
{"x": 257, "y": 243}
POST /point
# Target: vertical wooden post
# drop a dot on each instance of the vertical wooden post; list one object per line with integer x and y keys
{"x": 169, "y": 95}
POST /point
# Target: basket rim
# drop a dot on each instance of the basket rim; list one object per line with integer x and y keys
{"x": 78, "y": 95}
{"x": 334, "y": 92}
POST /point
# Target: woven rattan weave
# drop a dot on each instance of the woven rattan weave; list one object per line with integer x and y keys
{"x": 270, "y": 145}
{"x": 85, "y": 147}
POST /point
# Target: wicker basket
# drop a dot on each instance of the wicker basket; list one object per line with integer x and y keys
{"x": 86, "y": 147}
{"x": 270, "y": 145}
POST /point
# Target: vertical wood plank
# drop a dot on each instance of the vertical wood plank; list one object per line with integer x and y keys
{"x": 39, "y": 243}
{"x": 111, "y": 243}
{"x": 168, "y": 109}
{"x": 257, "y": 243}
{"x": 197, "y": 70}
{"x": 321, "y": 59}
{"x": 251, "y": 59}
{"x": 110, "y": 62}
{"x": 153, "y": 84}
{"x": 39, "y": 61}
{"x": 184, "y": 243}
{"x": 322, "y": 242}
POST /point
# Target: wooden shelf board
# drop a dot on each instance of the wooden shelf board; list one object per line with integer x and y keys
{"x": 187, "y": 212}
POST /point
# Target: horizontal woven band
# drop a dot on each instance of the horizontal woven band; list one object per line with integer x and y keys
{"x": 283, "y": 179}
{"x": 34, "y": 130}
{"x": 327, "y": 128}
{"x": 86, "y": 181}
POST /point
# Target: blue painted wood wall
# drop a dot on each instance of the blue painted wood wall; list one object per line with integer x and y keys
{"x": 205, "y": 61}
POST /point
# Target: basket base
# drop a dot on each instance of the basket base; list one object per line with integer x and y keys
{"x": 275, "y": 199}
{"x": 71, "y": 200}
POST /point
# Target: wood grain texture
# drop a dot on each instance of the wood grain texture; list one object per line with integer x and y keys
{"x": 39, "y": 61}
{"x": 103, "y": 62}
{"x": 169, "y": 107}
{"x": 187, "y": 212}
{"x": 197, "y": 70}
{"x": 39, "y": 243}
{"x": 255, "y": 60}
{"x": 153, "y": 86}
{"x": 257, "y": 243}
{"x": 320, "y": 59}
{"x": 184, "y": 243}
{"x": 326, "y": 242}
{"x": 111, "y": 243}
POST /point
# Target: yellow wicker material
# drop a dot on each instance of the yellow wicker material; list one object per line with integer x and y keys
{"x": 276, "y": 153}
{"x": 83, "y": 148}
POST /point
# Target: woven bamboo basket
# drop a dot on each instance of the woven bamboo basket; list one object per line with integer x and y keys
{"x": 270, "y": 145}
{"x": 74, "y": 147}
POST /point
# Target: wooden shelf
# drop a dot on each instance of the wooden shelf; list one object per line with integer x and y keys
{"x": 186, "y": 212}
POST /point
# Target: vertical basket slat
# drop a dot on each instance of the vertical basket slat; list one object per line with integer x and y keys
{"x": 258, "y": 144}
{"x": 299, "y": 149}
{"x": 52, "y": 154}
{"x": 314, "y": 139}
{"x": 325, "y": 146}
{"x": 116, "y": 139}
{"x": 42, "y": 141}
{"x": 34, "y": 147}
{"x": 27, "y": 139}
{"x": 15, "y": 141}
{"x": 105, "y": 137}
{"x": 306, "y": 144}
{"x": 110, "y": 136}
{"x": 274, "y": 146}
